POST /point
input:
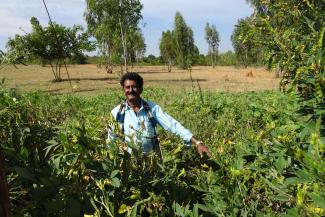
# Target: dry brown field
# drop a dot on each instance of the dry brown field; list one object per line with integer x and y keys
{"x": 91, "y": 80}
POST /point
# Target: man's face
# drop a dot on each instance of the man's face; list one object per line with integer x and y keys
{"x": 131, "y": 90}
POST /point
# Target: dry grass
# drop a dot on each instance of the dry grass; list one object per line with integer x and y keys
{"x": 89, "y": 80}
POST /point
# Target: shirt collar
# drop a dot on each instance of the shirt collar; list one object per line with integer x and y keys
{"x": 127, "y": 107}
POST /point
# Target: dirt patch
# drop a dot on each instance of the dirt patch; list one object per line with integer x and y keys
{"x": 89, "y": 80}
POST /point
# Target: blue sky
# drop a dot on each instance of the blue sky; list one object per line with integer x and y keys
{"x": 158, "y": 16}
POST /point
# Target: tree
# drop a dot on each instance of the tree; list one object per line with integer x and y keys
{"x": 167, "y": 48}
{"x": 212, "y": 38}
{"x": 136, "y": 46}
{"x": 184, "y": 42}
{"x": 293, "y": 33}
{"x": 111, "y": 22}
{"x": 52, "y": 45}
{"x": 249, "y": 47}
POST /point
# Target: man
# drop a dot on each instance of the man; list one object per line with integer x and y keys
{"x": 137, "y": 119}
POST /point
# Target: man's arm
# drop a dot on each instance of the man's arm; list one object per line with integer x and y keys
{"x": 170, "y": 124}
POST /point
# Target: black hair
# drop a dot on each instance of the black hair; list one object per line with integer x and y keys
{"x": 132, "y": 76}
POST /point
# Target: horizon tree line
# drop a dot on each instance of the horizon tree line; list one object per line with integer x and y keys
{"x": 118, "y": 38}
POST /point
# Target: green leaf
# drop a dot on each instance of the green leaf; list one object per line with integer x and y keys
{"x": 114, "y": 173}
{"x": 196, "y": 210}
{"x": 75, "y": 159}
{"x": 293, "y": 181}
{"x": 306, "y": 176}
{"x": 52, "y": 147}
{"x": 280, "y": 197}
{"x": 24, "y": 153}
{"x": 56, "y": 162}
{"x": 293, "y": 212}
{"x": 319, "y": 201}
{"x": 178, "y": 210}
{"x": 281, "y": 163}
{"x": 134, "y": 210}
{"x": 277, "y": 187}
{"x": 205, "y": 208}
{"x": 115, "y": 182}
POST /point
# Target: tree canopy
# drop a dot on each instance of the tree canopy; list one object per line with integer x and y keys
{"x": 167, "y": 48}
{"x": 247, "y": 43}
{"x": 113, "y": 23}
{"x": 184, "y": 42}
{"x": 212, "y": 38}
{"x": 52, "y": 45}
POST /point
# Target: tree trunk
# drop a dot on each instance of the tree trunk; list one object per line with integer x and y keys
{"x": 169, "y": 65}
{"x": 137, "y": 58}
{"x": 124, "y": 46}
{"x": 4, "y": 192}
{"x": 55, "y": 77}
{"x": 211, "y": 54}
{"x": 60, "y": 65}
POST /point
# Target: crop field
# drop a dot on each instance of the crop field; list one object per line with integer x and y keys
{"x": 91, "y": 80}
{"x": 265, "y": 129}
{"x": 59, "y": 163}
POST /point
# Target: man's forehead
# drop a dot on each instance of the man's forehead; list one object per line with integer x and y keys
{"x": 130, "y": 81}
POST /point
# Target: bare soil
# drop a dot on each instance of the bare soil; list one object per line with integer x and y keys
{"x": 90, "y": 80}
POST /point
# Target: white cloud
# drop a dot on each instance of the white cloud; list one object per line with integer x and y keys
{"x": 10, "y": 25}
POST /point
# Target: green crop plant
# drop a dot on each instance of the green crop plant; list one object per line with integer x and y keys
{"x": 58, "y": 162}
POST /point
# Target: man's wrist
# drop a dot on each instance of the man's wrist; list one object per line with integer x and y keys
{"x": 198, "y": 142}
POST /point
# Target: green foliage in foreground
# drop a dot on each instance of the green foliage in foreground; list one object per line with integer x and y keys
{"x": 263, "y": 163}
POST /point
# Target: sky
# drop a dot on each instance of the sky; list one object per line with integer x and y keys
{"x": 158, "y": 16}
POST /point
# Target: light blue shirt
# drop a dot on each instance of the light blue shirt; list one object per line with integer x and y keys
{"x": 139, "y": 130}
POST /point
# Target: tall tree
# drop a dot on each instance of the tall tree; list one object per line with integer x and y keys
{"x": 111, "y": 22}
{"x": 167, "y": 48}
{"x": 184, "y": 41}
{"x": 212, "y": 38}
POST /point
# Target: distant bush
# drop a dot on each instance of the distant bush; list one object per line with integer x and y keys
{"x": 152, "y": 60}
{"x": 200, "y": 60}
{"x": 227, "y": 59}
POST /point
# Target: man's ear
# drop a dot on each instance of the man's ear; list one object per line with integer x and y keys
{"x": 141, "y": 89}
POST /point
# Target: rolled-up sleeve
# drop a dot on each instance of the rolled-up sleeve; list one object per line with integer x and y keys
{"x": 169, "y": 123}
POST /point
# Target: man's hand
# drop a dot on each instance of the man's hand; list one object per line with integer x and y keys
{"x": 201, "y": 148}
